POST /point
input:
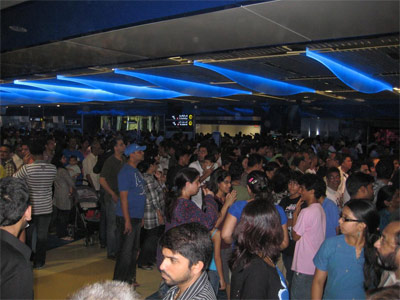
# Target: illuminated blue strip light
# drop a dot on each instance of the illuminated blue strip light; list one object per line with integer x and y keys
{"x": 132, "y": 91}
{"x": 184, "y": 86}
{"x": 36, "y": 96}
{"x": 350, "y": 76}
{"x": 73, "y": 90}
{"x": 258, "y": 83}
{"x": 14, "y": 99}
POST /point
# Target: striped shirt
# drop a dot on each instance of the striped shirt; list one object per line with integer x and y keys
{"x": 201, "y": 289}
{"x": 40, "y": 177}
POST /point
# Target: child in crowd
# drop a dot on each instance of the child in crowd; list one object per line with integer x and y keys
{"x": 73, "y": 167}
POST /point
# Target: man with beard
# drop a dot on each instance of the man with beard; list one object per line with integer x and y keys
{"x": 388, "y": 247}
{"x": 187, "y": 251}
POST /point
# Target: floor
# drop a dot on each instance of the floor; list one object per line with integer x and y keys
{"x": 74, "y": 265}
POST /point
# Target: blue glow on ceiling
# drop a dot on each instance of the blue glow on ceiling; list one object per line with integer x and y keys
{"x": 247, "y": 111}
{"x": 258, "y": 83}
{"x": 73, "y": 90}
{"x": 353, "y": 78}
{"x": 7, "y": 98}
{"x": 184, "y": 86}
{"x": 35, "y": 95}
{"x": 132, "y": 91}
{"x": 227, "y": 111}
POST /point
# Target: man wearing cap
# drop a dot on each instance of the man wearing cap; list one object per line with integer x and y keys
{"x": 130, "y": 211}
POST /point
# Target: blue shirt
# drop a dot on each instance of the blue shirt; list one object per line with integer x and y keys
{"x": 237, "y": 208}
{"x": 332, "y": 217}
{"x": 345, "y": 270}
{"x": 130, "y": 180}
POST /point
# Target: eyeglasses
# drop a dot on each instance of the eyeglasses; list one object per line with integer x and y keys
{"x": 350, "y": 220}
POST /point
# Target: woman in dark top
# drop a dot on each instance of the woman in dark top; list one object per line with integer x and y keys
{"x": 259, "y": 235}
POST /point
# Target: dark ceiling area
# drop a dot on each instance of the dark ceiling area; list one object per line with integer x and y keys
{"x": 185, "y": 52}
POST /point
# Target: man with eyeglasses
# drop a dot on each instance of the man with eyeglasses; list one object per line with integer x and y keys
{"x": 388, "y": 248}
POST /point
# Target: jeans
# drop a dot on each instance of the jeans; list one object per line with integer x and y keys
{"x": 214, "y": 280}
{"x": 148, "y": 249}
{"x": 301, "y": 286}
{"x": 40, "y": 226}
{"x": 125, "y": 267}
{"x": 103, "y": 222}
{"x": 112, "y": 234}
{"x": 62, "y": 222}
{"x": 287, "y": 261}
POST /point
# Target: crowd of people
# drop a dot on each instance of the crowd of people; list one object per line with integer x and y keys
{"x": 238, "y": 217}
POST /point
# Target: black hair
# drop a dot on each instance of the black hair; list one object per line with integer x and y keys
{"x": 366, "y": 212}
{"x": 314, "y": 182}
{"x": 191, "y": 240}
{"x": 254, "y": 159}
{"x": 296, "y": 160}
{"x": 36, "y": 148}
{"x": 280, "y": 180}
{"x": 295, "y": 176}
{"x": 216, "y": 177}
{"x": 182, "y": 176}
{"x": 56, "y": 160}
{"x": 271, "y": 166}
{"x": 257, "y": 182}
{"x": 144, "y": 165}
{"x": 14, "y": 200}
{"x": 181, "y": 152}
{"x": 342, "y": 157}
{"x": 384, "y": 168}
{"x": 385, "y": 194}
{"x": 236, "y": 170}
{"x": 357, "y": 180}
{"x": 259, "y": 233}
{"x": 332, "y": 170}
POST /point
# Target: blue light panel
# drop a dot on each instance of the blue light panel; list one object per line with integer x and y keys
{"x": 73, "y": 90}
{"x": 37, "y": 95}
{"x": 184, "y": 86}
{"x": 14, "y": 99}
{"x": 258, "y": 83}
{"x": 353, "y": 78}
{"x": 132, "y": 91}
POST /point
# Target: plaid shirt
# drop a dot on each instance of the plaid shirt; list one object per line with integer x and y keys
{"x": 9, "y": 168}
{"x": 154, "y": 201}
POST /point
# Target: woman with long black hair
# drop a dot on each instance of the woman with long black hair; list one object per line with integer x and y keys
{"x": 258, "y": 236}
{"x": 180, "y": 209}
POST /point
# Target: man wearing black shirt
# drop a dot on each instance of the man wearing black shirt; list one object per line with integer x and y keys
{"x": 16, "y": 280}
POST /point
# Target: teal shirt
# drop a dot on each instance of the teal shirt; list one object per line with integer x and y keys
{"x": 345, "y": 270}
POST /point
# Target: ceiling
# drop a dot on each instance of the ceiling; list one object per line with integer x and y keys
{"x": 267, "y": 39}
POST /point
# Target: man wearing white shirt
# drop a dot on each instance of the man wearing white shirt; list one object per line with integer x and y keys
{"x": 204, "y": 174}
{"x": 345, "y": 165}
{"x": 88, "y": 164}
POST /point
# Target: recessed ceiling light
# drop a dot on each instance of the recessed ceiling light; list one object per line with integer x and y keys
{"x": 58, "y": 105}
{"x": 17, "y": 28}
{"x": 359, "y": 100}
{"x": 328, "y": 91}
{"x": 39, "y": 106}
{"x": 22, "y": 106}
